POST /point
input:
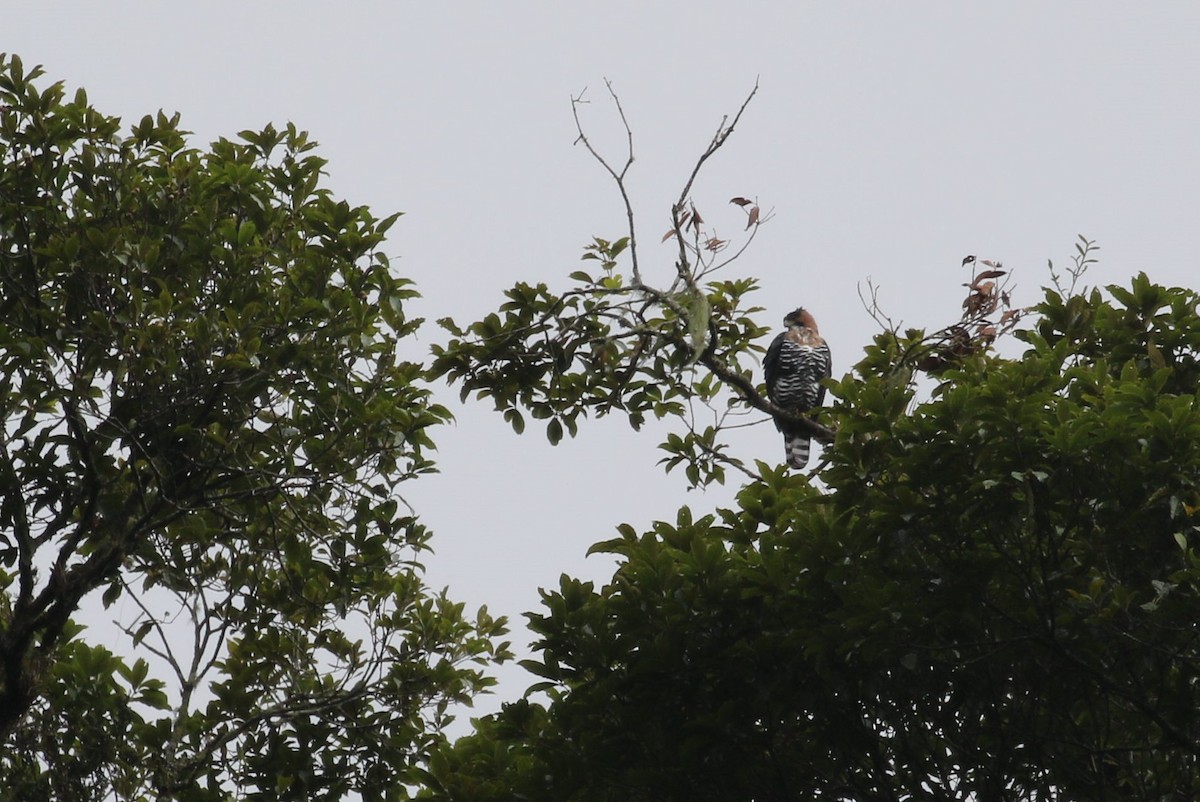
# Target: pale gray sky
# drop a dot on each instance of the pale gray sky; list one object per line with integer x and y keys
{"x": 890, "y": 139}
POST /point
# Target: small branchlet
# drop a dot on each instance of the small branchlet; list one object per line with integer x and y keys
{"x": 1084, "y": 257}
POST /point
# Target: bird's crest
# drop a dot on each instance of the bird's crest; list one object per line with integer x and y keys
{"x": 800, "y": 317}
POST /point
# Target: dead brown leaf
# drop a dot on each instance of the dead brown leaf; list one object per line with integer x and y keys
{"x": 986, "y": 274}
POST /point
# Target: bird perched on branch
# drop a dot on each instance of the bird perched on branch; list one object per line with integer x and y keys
{"x": 794, "y": 365}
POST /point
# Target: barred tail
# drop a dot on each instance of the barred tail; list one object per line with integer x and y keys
{"x": 796, "y": 447}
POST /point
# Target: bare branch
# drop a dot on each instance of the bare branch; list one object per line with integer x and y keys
{"x": 722, "y": 134}
{"x": 618, "y": 177}
{"x": 683, "y": 266}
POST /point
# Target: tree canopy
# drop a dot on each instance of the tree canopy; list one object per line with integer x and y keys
{"x": 990, "y": 596}
{"x": 993, "y": 598}
{"x": 204, "y": 413}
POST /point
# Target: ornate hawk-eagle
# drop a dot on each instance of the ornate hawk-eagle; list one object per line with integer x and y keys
{"x": 794, "y": 365}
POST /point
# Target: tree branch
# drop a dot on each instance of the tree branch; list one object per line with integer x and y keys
{"x": 751, "y": 396}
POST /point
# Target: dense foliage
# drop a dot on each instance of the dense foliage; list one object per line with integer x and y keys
{"x": 204, "y": 419}
{"x": 995, "y": 597}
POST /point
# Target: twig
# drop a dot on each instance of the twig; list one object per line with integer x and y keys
{"x": 873, "y": 308}
{"x": 618, "y": 177}
{"x": 682, "y": 267}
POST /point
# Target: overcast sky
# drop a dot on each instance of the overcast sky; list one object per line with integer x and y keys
{"x": 889, "y": 139}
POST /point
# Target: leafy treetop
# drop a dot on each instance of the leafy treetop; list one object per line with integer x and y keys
{"x": 994, "y": 599}
{"x": 203, "y": 412}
